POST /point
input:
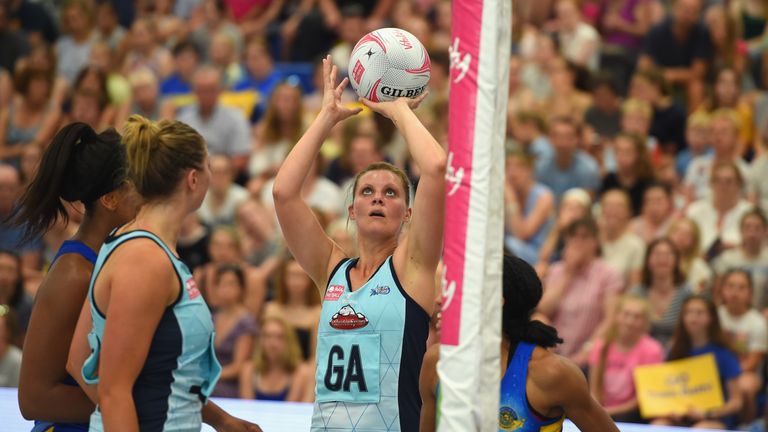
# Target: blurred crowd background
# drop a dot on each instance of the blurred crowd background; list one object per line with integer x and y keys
{"x": 636, "y": 164}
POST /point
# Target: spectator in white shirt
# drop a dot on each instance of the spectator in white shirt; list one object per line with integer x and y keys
{"x": 747, "y": 330}
{"x": 718, "y": 216}
{"x": 224, "y": 195}
{"x": 579, "y": 41}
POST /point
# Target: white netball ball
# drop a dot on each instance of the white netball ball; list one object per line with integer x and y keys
{"x": 389, "y": 63}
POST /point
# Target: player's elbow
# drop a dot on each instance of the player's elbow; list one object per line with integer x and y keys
{"x": 29, "y": 402}
{"x": 435, "y": 167}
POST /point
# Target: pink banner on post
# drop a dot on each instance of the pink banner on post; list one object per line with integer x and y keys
{"x": 464, "y": 51}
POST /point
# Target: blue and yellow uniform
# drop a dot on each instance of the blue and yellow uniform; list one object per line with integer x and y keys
{"x": 79, "y": 248}
{"x": 515, "y": 412}
{"x": 367, "y": 362}
{"x": 181, "y": 368}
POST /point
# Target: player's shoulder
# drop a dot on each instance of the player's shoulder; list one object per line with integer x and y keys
{"x": 550, "y": 372}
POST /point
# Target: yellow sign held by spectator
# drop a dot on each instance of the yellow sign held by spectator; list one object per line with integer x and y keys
{"x": 676, "y": 386}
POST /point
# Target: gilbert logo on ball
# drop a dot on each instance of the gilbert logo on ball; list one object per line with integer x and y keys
{"x": 389, "y": 63}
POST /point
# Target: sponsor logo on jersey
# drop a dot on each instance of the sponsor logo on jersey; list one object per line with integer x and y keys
{"x": 508, "y": 419}
{"x": 380, "y": 290}
{"x": 347, "y": 319}
{"x": 334, "y": 292}
{"x": 192, "y": 290}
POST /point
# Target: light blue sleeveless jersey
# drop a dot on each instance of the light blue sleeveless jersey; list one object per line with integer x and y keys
{"x": 181, "y": 368}
{"x": 367, "y": 363}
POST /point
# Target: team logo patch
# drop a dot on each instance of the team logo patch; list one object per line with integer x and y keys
{"x": 380, "y": 290}
{"x": 334, "y": 292}
{"x": 192, "y": 290}
{"x": 508, "y": 420}
{"x": 347, "y": 319}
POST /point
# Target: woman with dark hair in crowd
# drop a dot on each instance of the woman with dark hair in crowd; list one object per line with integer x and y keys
{"x": 298, "y": 302}
{"x": 31, "y": 118}
{"x": 668, "y": 122}
{"x": 78, "y": 166}
{"x": 698, "y": 332}
{"x": 235, "y": 329}
{"x": 634, "y": 171}
{"x": 664, "y": 285}
{"x": 539, "y": 389}
{"x": 151, "y": 334}
{"x": 12, "y": 290}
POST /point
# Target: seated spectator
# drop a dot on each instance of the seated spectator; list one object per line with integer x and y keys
{"x": 74, "y": 48}
{"x": 521, "y": 98}
{"x": 613, "y": 359}
{"x": 192, "y": 245}
{"x": 178, "y": 85}
{"x": 663, "y": 284}
{"x": 636, "y": 116}
{"x": 235, "y": 329}
{"x": 11, "y": 238}
{"x": 657, "y": 213}
{"x": 580, "y": 292}
{"x": 224, "y": 195}
{"x": 43, "y": 58}
{"x": 625, "y": 25}
{"x": 757, "y": 180}
{"x": 214, "y": 17}
{"x": 10, "y": 354}
{"x": 31, "y": 118}
{"x": 668, "y": 121}
{"x": 751, "y": 256}
{"x": 604, "y": 116}
{"x": 575, "y": 205}
{"x": 543, "y": 57}
{"x": 568, "y": 167}
{"x": 529, "y": 208}
{"x": 277, "y": 372}
{"x": 686, "y": 235}
{"x": 748, "y": 332}
{"x": 698, "y": 332}
{"x": 12, "y": 292}
{"x": 275, "y": 135}
{"x": 698, "y": 139}
{"x": 579, "y": 41}
{"x": 726, "y": 27}
{"x": 108, "y": 29}
{"x": 118, "y": 86}
{"x": 565, "y": 100}
{"x": 298, "y": 302}
{"x": 726, "y": 94}
{"x": 144, "y": 99}
{"x": 223, "y": 56}
{"x": 225, "y": 129}
{"x": 89, "y": 107}
{"x": 527, "y": 130}
{"x": 225, "y": 248}
{"x": 320, "y": 193}
{"x": 621, "y": 248}
{"x": 681, "y": 48}
{"x": 13, "y": 40}
{"x": 634, "y": 172}
{"x": 719, "y": 216}
{"x": 261, "y": 76}
{"x": 725, "y": 146}
{"x": 257, "y": 228}
{"x": 144, "y": 51}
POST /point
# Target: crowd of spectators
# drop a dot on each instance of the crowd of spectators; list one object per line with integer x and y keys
{"x": 636, "y": 170}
